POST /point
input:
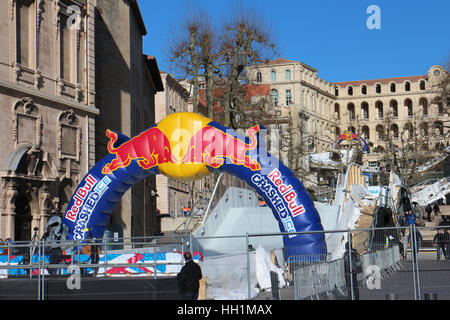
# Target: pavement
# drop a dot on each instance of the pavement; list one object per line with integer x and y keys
{"x": 433, "y": 278}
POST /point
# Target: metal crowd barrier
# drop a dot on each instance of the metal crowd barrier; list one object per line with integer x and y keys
{"x": 325, "y": 277}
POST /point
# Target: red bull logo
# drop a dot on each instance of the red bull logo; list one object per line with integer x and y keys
{"x": 213, "y": 146}
{"x": 209, "y": 146}
{"x": 149, "y": 148}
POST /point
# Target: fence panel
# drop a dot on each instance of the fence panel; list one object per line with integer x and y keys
{"x": 433, "y": 264}
{"x": 396, "y": 263}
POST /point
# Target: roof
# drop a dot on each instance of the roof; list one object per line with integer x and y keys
{"x": 284, "y": 61}
{"x": 381, "y": 81}
{"x": 153, "y": 68}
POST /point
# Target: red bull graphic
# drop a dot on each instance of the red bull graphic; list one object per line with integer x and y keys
{"x": 348, "y": 136}
{"x": 204, "y": 147}
{"x": 150, "y": 149}
{"x": 212, "y": 146}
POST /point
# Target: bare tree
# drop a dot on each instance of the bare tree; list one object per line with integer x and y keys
{"x": 183, "y": 47}
{"x": 406, "y": 148}
{"x": 246, "y": 41}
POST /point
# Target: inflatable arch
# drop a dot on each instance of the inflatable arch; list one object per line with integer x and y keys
{"x": 188, "y": 146}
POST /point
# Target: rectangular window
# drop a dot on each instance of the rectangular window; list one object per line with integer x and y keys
{"x": 66, "y": 48}
{"x": 366, "y": 113}
{"x": 273, "y": 76}
{"x": 81, "y": 59}
{"x": 288, "y": 75}
{"x": 24, "y": 23}
{"x": 288, "y": 97}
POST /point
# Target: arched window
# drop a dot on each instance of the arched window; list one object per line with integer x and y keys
{"x": 274, "y": 96}
{"x": 424, "y": 127}
{"x": 365, "y": 110}
{"x": 392, "y": 87}
{"x": 424, "y": 103}
{"x": 439, "y": 128}
{"x": 288, "y": 75}
{"x": 407, "y": 86}
{"x": 394, "y": 108}
{"x": 259, "y": 77}
{"x": 364, "y": 89}
{"x": 288, "y": 97}
{"x": 380, "y": 132}
{"x": 337, "y": 111}
{"x": 336, "y": 91}
{"x": 422, "y": 85}
{"x": 273, "y": 76}
{"x": 408, "y": 104}
{"x": 410, "y": 129}
{"x": 351, "y": 111}
{"x": 394, "y": 129}
{"x": 378, "y": 88}
{"x": 350, "y": 90}
{"x": 379, "y": 107}
{"x": 365, "y": 132}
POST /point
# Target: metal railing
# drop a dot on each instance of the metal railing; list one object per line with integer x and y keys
{"x": 401, "y": 268}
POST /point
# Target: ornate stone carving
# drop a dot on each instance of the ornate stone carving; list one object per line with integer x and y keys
{"x": 60, "y": 86}
{"x": 39, "y": 11}
{"x": 69, "y": 136}
{"x": 25, "y": 115}
{"x": 37, "y": 79}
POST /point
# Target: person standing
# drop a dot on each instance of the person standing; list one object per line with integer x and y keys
{"x": 447, "y": 244}
{"x": 436, "y": 209}
{"x": 352, "y": 265}
{"x": 410, "y": 218}
{"x": 188, "y": 278}
{"x": 428, "y": 210}
{"x": 439, "y": 241}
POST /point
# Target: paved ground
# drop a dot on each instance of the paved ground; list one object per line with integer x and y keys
{"x": 434, "y": 277}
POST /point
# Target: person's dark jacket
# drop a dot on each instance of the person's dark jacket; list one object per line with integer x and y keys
{"x": 436, "y": 209}
{"x": 439, "y": 239}
{"x": 189, "y": 276}
{"x": 356, "y": 262}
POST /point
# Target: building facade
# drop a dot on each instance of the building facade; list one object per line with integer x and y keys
{"x": 47, "y": 102}
{"x": 174, "y": 195}
{"x": 325, "y": 110}
{"x": 69, "y": 70}
{"x": 128, "y": 81}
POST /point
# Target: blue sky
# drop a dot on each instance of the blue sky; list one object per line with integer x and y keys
{"x": 331, "y": 35}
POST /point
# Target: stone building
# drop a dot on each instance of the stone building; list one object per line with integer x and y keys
{"x": 127, "y": 84}
{"x": 47, "y": 102}
{"x": 324, "y": 110}
{"x": 174, "y": 195}
{"x": 69, "y": 69}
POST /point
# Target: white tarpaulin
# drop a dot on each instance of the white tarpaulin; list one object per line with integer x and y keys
{"x": 264, "y": 266}
{"x": 227, "y": 276}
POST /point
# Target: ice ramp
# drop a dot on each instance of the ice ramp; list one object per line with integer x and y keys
{"x": 237, "y": 213}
